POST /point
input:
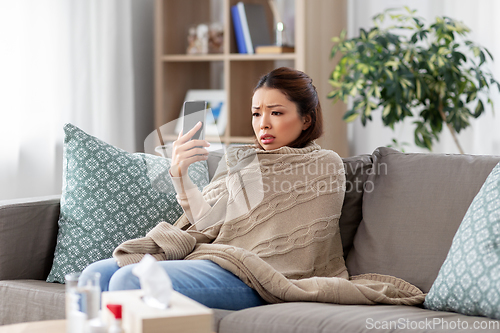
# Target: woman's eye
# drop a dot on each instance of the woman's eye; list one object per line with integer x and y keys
{"x": 276, "y": 113}
{"x": 255, "y": 114}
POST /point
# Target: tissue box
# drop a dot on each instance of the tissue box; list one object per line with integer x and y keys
{"x": 183, "y": 315}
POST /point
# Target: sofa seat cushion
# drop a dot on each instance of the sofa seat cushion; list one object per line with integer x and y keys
{"x": 30, "y": 300}
{"x": 325, "y": 318}
{"x": 412, "y": 207}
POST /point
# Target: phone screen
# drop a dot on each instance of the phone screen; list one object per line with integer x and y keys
{"x": 194, "y": 111}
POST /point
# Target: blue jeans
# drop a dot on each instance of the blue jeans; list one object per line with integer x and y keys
{"x": 201, "y": 280}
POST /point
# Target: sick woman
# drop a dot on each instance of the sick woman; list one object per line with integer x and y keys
{"x": 266, "y": 228}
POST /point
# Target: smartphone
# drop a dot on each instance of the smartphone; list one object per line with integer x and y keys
{"x": 193, "y": 112}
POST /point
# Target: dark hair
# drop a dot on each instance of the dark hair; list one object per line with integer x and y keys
{"x": 297, "y": 87}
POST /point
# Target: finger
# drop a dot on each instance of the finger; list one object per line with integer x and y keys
{"x": 182, "y": 151}
{"x": 195, "y": 143}
{"x": 194, "y": 159}
{"x": 191, "y": 152}
{"x": 187, "y": 161}
{"x": 188, "y": 146}
{"x": 191, "y": 132}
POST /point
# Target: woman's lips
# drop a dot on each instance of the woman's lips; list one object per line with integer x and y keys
{"x": 267, "y": 139}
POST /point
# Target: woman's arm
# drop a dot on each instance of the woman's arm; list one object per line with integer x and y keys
{"x": 184, "y": 153}
{"x": 190, "y": 199}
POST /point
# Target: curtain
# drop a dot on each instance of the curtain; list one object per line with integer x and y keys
{"x": 481, "y": 17}
{"x": 61, "y": 61}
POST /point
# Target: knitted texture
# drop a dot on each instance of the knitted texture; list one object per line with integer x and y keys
{"x": 274, "y": 224}
{"x": 164, "y": 242}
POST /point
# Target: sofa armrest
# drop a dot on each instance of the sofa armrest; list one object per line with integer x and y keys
{"x": 28, "y": 235}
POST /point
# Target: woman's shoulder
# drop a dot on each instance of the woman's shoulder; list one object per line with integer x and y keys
{"x": 330, "y": 154}
{"x": 330, "y": 158}
{"x": 327, "y": 154}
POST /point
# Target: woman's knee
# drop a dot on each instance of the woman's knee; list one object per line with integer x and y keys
{"x": 124, "y": 279}
{"x": 210, "y": 284}
{"x": 106, "y": 268}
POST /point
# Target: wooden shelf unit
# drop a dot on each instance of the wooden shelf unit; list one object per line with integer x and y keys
{"x": 176, "y": 72}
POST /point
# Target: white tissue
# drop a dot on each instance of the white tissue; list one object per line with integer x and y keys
{"x": 155, "y": 282}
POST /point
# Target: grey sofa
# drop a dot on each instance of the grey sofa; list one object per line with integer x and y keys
{"x": 399, "y": 217}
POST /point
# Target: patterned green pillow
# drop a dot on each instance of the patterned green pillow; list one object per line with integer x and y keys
{"x": 110, "y": 196}
{"x": 469, "y": 280}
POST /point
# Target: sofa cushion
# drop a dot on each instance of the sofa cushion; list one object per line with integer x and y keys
{"x": 110, "y": 196}
{"x": 28, "y": 232}
{"x": 30, "y": 300}
{"x": 412, "y": 207}
{"x": 356, "y": 169}
{"x": 325, "y": 318}
{"x": 469, "y": 280}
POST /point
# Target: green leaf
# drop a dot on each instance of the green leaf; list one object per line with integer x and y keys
{"x": 332, "y": 94}
{"x": 491, "y": 56}
{"x": 393, "y": 63}
{"x": 372, "y": 33}
{"x": 368, "y": 110}
{"x": 471, "y": 96}
{"x": 431, "y": 65}
{"x": 350, "y": 116}
{"x": 399, "y": 110}
{"x": 387, "y": 110}
{"x": 490, "y": 102}
{"x": 362, "y": 33}
{"x": 479, "y": 109}
{"x": 335, "y": 84}
{"x": 389, "y": 74}
{"x": 343, "y": 33}
{"x": 482, "y": 58}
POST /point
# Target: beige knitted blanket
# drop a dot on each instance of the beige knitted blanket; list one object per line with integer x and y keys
{"x": 275, "y": 226}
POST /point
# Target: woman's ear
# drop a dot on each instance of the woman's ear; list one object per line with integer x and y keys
{"x": 307, "y": 122}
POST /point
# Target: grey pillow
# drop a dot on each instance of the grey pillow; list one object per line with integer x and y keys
{"x": 356, "y": 169}
{"x": 412, "y": 207}
{"x": 108, "y": 197}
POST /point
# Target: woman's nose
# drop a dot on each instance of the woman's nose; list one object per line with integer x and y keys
{"x": 265, "y": 122}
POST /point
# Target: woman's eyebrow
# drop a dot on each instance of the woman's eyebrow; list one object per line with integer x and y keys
{"x": 268, "y": 106}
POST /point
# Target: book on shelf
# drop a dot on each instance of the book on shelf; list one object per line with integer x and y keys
{"x": 263, "y": 49}
{"x": 238, "y": 30}
{"x": 252, "y": 29}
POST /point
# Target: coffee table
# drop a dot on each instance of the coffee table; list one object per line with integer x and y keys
{"x": 47, "y": 326}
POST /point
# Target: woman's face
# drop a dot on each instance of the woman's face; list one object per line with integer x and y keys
{"x": 275, "y": 119}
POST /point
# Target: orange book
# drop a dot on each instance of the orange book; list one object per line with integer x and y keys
{"x": 274, "y": 49}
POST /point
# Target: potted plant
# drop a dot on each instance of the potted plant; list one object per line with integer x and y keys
{"x": 407, "y": 69}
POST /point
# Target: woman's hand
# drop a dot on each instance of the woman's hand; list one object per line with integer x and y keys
{"x": 185, "y": 151}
